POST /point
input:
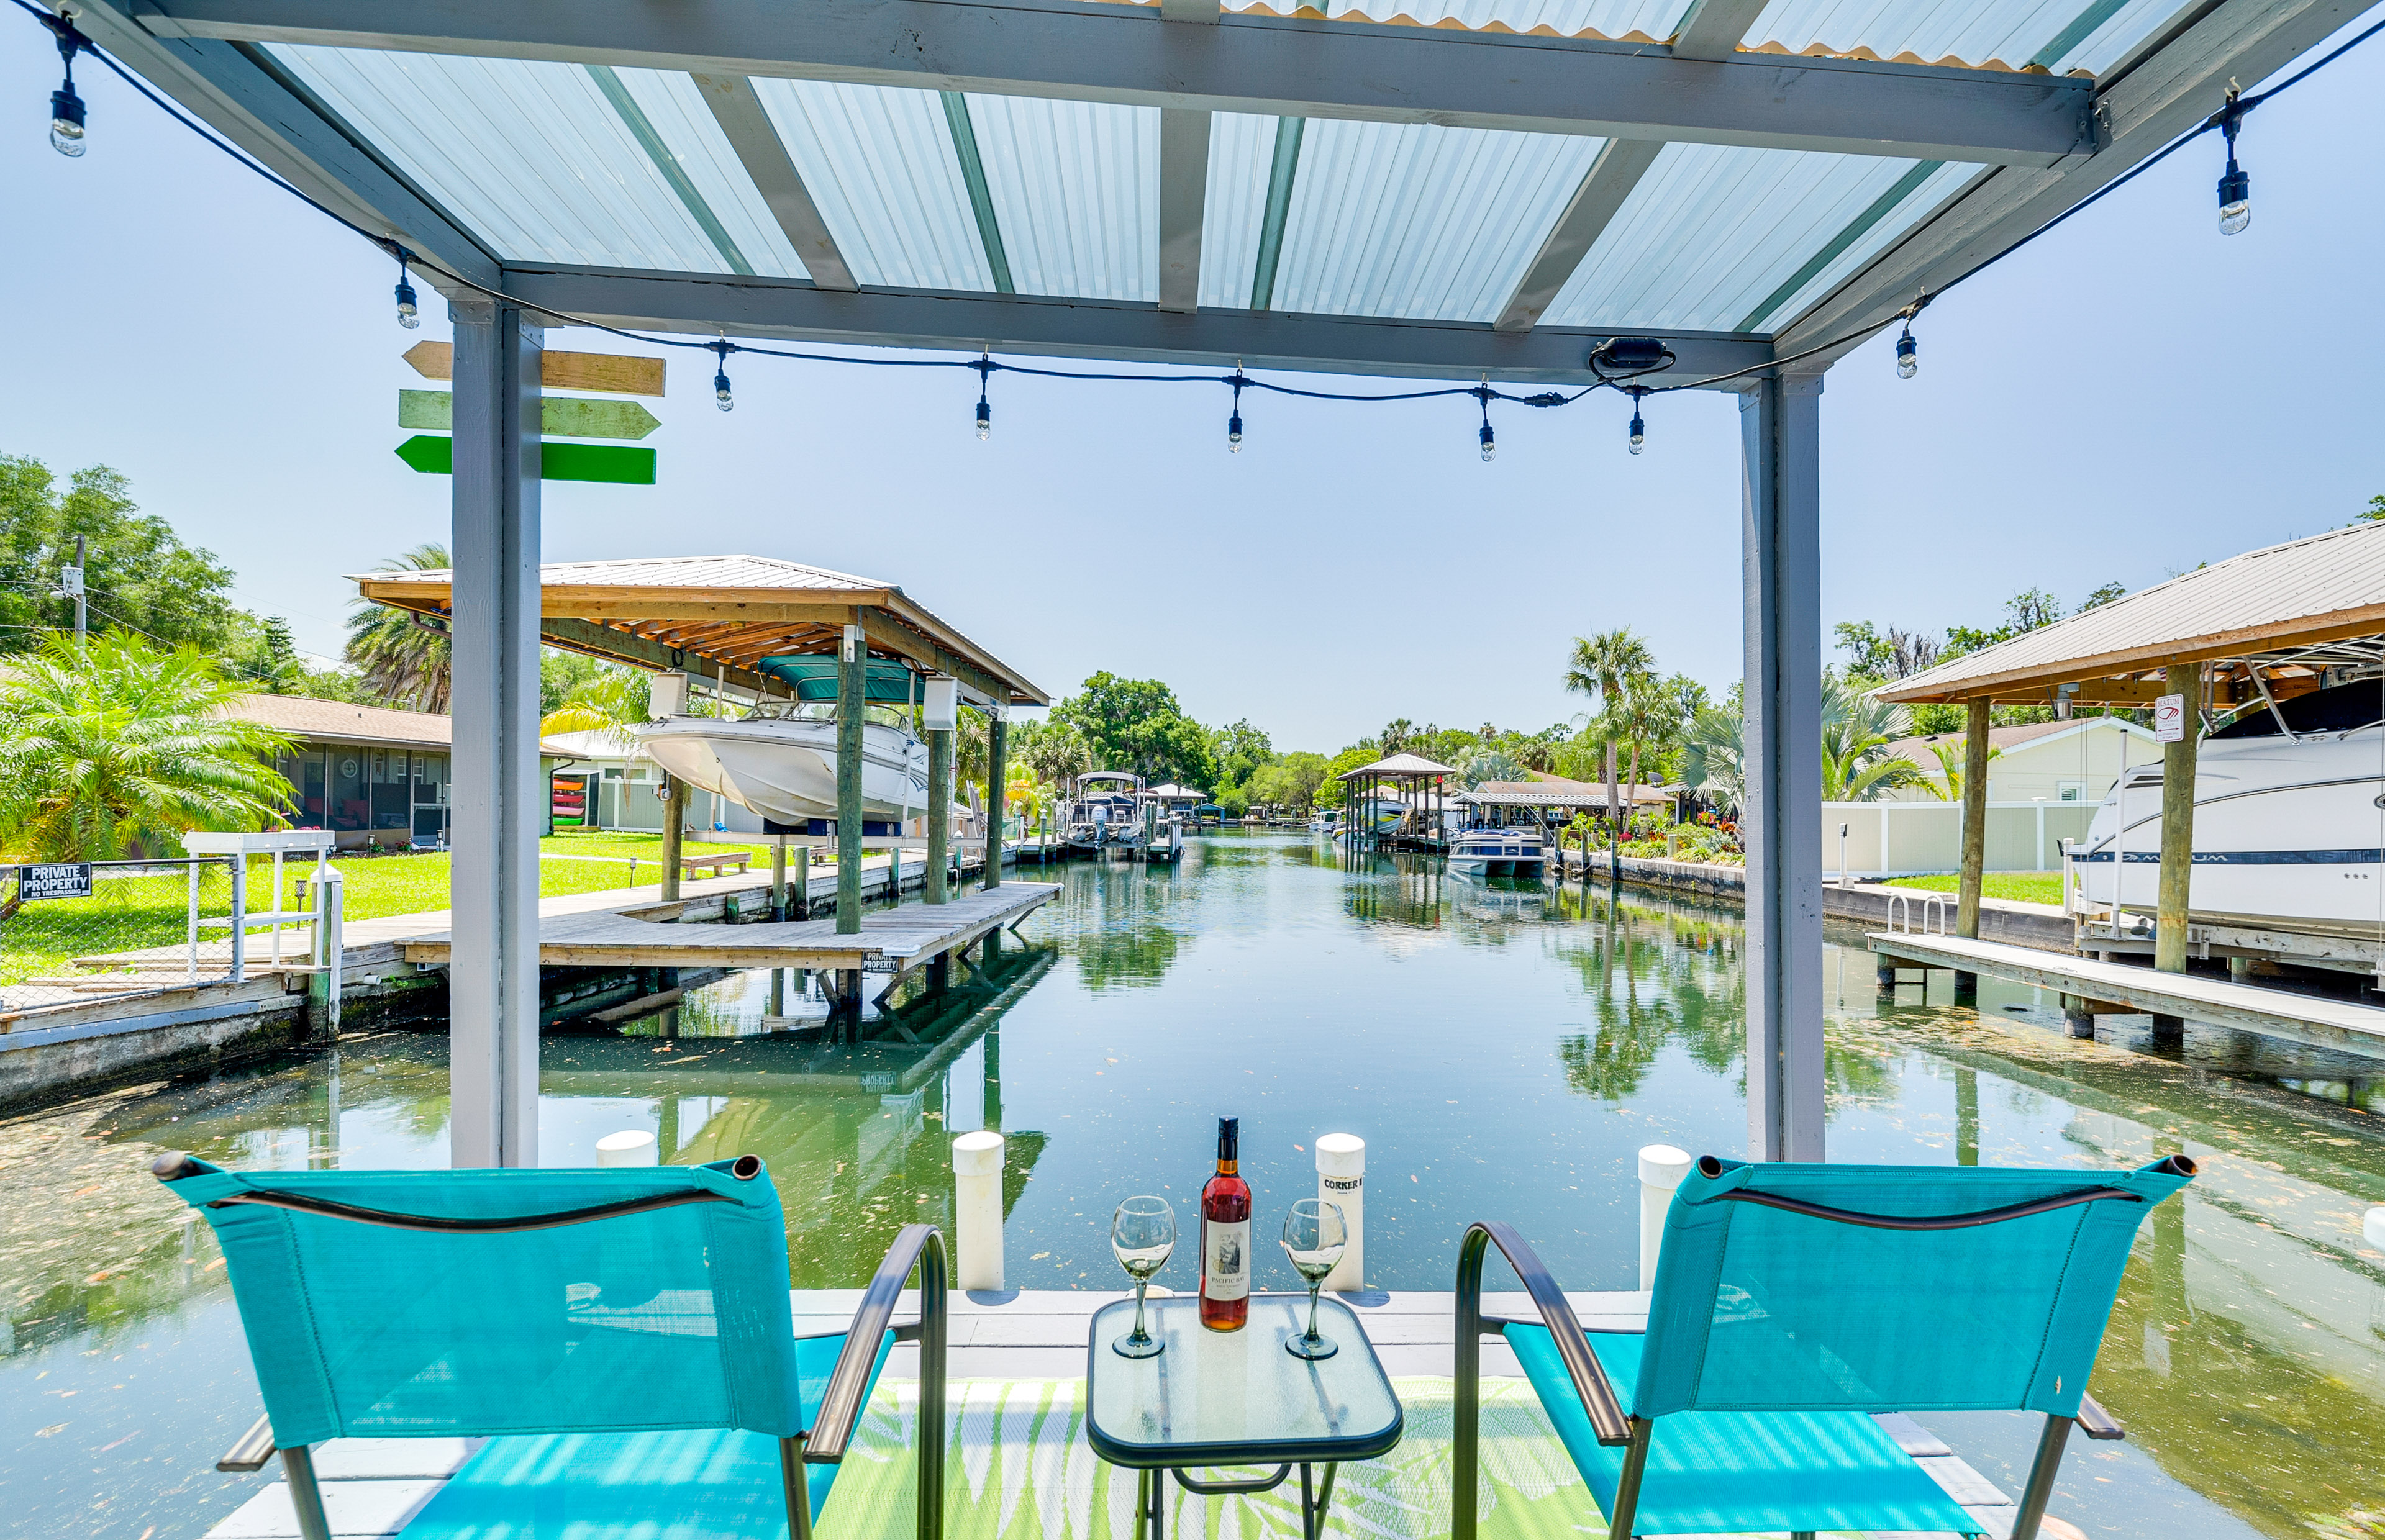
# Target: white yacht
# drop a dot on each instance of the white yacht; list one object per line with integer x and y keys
{"x": 2289, "y": 822}
{"x": 1496, "y": 852}
{"x": 781, "y": 760}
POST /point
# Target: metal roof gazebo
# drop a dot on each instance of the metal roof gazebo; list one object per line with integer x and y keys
{"x": 1470, "y": 188}
{"x": 1421, "y": 780}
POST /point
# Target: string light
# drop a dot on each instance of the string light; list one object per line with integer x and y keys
{"x": 985, "y": 366}
{"x": 1234, "y": 419}
{"x": 721, "y": 349}
{"x": 1485, "y": 394}
{"x": 1639, "y": 427}
{"x": 2235, "y": 187}
{"x": 66, "y": 107}
{"x": 408, "y": 315}
{"x": 1908, "y": 361}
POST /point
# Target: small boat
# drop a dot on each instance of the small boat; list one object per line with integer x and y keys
{"x": 1327, "y": 821}
{"x": 1106, "y": 813}
{"x": 2287, "y": 827}
{"x": 780, "y": 761}
{"x": 1496, "y": 853}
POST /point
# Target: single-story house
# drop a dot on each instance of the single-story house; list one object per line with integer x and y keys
{"x": 2075, "y": 761}
{"x": 375, "y": 775}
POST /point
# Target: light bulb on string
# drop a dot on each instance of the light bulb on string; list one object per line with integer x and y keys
{"x": 720, "y": 396}
{"x": 1234, "y": 419}
{"x": 1483, "y": 394}
{"x": 1908, "y": 359}
{"x": 2235, "y": 187}
{"x": 409, "y": 314}
{"x": 1639, "y": 426}
{"x": 985, "y": 366}
{"x": 66, "y": 107}
{"x": 1490, "y": 441}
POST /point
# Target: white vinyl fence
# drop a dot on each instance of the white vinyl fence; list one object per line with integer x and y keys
{"x": 1898, "y": 839}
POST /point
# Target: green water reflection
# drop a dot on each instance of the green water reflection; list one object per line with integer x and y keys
{"x": 1505, "y": 1048}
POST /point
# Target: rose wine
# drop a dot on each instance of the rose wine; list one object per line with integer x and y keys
{"x": 1226, "y": 1236}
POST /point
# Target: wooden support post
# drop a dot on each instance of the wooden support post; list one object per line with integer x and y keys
{"x": 2178, "y": 825}
{"x": 939, "y": 813}
{"x": 674, "y": 821}
{"x": 1975, "y": 819}
{"x": 804, "y": 883}
{"x": 1887, "y": 973}
{"x": 850, "y": 703}
{"x": 996, "y": 767}
{"x": 2079, "y": 1015}
{"x": 778, "y": 881}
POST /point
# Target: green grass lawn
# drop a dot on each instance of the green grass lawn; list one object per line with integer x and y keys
{"x": 2019, "y": 887}
{"x": 128, "y": 914}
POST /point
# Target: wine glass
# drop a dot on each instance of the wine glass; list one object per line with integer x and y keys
{"x": 1313, "y": 1237}
{"x": 1143, "y": 1233}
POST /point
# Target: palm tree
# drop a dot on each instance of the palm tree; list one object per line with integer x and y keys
{"x": 116, "y": 747}
{"x": 1493, "y": 765}
{"x": 1949, "y": 752}
{"x": 1856, "y": 728}
{"x": 610, "y": 699}
{"x": 402, "y": 660}
{"x": 1713, "y": 756}
{"x": 1605, "y": 667}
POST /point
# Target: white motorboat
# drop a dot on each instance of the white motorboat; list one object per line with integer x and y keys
{"x": 783, "y": 766}
{"x": 1496, "y": 853}
{"x": 1100, "y": 818}
{"x": 2289, "y": 822}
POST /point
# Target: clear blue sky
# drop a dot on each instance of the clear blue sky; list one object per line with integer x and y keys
{"x": 2133, "y": 395}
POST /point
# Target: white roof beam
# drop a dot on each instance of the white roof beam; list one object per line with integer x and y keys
{"x": 1183, "y": 197}
{"x": 1242, "y": 63}
{"x": 1609, "y": 180}
{"x": 750, "y": 132}
{"x": 1713, "y": 29}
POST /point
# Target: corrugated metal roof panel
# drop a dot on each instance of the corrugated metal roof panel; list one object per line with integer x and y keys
{"x": 2059, "y": 35}
{"x": 1075, "y": 191}
{"x": 535, "y": 160}
{"x": 1242, "y": 145}
{"x": 744, "y": 572}
{"x": 1651, "y": 19}
{"x": 1714, "y": 234}
{"x": 1419, "y": 222}
{"x": 2306, "y": 585}
{"x": 880, "y": 167}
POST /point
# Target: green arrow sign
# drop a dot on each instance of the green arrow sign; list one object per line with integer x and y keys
{"x": 556, "y": 462}
{"x": 559, "y": 416}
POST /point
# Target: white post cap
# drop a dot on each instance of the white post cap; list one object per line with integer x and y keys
{"x": 632, "y": 1147}
{"x": 1341, "y": 1155}
{"x": 977, "y": 1154}
{"x": 1663, "y": 1166}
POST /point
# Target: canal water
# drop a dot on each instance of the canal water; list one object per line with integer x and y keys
{"x": 1505, "y": 1048}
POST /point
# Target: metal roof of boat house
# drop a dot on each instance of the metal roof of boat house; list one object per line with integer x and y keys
{"x": 1403, "y": 766}
{"x": 1554, "y": 791}
{"x": 711, "y": 613}
{"x": 2292, "y": 609}
{"x": 1435, "y": 188}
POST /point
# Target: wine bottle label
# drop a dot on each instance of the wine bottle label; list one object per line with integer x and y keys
{"x": 1226, "y": 1271}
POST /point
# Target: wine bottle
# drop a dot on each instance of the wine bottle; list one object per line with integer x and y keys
{"x": 1226, "y": 1236}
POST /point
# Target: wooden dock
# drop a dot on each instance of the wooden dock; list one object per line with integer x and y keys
{"x": 644, "y": 935}
{"x": 372, "y": 1486}
{"x": 2117, "y": 988}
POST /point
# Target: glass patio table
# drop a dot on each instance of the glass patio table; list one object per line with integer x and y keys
{"x": 1226, "y": 1399}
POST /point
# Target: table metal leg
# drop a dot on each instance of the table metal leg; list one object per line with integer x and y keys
{"x": 1312, "y": 1510}
{"x": 1151, "y": 1504}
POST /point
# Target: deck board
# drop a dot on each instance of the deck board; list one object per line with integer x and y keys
{"x": 2312, "y": 1019}
{"x": 910, "y": 935}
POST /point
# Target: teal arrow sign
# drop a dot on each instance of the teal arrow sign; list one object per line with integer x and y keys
{"x": 556, "y": 462}
{"x": 559, "y": 416}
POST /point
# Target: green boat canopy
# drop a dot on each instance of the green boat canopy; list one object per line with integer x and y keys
{"x": 814, "y": 678}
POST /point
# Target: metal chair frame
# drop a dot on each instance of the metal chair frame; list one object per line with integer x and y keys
{"x": 1616, "y": 1428}
{"x": 826, "y": 1442}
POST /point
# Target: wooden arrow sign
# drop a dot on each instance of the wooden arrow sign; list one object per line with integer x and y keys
{"x": 614, "y": 374}
{"x": 559, "y": 416}
{"x": 556, "y": 462}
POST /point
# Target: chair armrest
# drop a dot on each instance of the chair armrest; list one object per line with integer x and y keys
{"x": 840, "y": 1411}
{"x": 251, "y": 1449}
{"x": 1590, "y": 1381}
{"x": 2096, "y": 1423}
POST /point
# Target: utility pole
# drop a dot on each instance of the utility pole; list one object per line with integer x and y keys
{"x": 73, "y": 576}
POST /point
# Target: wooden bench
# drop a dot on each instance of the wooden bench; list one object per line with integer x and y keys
{"x": 712, "y": 863}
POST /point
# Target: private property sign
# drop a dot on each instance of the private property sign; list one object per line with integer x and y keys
{"x": 2170, "y": 718}
{"x": 55, "y": 880}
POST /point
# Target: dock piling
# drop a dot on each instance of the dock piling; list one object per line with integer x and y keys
{"x": 977, "y": 1211}
{"x": 850, "y": 703}
{"x": 1662, "y": 1167}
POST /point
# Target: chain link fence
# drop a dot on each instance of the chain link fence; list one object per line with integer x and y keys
{"x": 91, "y": 930}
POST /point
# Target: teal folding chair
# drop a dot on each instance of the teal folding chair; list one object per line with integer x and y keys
{"x": 1793, "y": 1301}
{"x": 623, "y": 1338}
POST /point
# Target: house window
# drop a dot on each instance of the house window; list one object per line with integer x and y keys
{"x": 2072, "y": 791}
